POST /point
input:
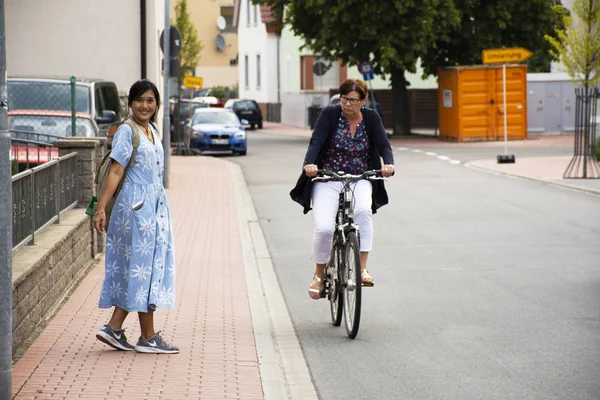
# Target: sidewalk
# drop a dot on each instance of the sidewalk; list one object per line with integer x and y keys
{"x": 230, "y": 322}
{"x": 549, "y": 170}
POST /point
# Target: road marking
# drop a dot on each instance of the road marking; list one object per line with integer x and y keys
{"x": 455, "y": 162}
{"x": 444, "y": 158}
{"x": 429, "y": 153}
{"x": 416, "y": 151}
{"x": 402, "y": 148}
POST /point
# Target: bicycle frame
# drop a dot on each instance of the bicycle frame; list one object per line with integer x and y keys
{"x": 341, "y": 280}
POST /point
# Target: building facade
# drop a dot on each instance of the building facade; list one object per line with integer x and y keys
{"x": 213, "y": 20}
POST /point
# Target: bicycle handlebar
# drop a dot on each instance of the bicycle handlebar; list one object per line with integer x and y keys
{"x": 327, "y": 175}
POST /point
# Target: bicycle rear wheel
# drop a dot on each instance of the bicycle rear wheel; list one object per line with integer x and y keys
{"x": 352, "y": 286}
{"x": 336, "y": 300}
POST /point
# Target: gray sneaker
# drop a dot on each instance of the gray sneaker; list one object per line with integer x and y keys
{"x": 116, "y": 339}
{"x": 156, "y": 344}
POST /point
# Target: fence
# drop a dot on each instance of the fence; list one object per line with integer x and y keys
{"x": 40, "y": 195}
{"x": 584, "y": 163}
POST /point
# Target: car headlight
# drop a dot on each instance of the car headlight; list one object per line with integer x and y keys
{"x": 240, "y": 135}
{"x": 198, "y": 134}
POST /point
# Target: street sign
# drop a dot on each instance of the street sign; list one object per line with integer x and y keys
{"x": 174, "y": 41}
{"x": 193, "y": 82}
{"x": 319, "y": 68}
{"x": 366, "y": 69}
{"x": 502, "y": 56}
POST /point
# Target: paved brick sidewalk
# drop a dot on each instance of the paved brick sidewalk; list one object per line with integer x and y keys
{"x": 212, "y": 322}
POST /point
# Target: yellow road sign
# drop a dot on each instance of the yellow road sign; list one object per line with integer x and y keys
{"x": 194, "y": 82}
{"x": 501, "y": 56}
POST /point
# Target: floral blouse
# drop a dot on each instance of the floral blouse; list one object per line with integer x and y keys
{"x": 348, "y": 154}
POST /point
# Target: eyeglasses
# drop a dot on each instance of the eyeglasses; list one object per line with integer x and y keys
{"x": 349, "y": 100}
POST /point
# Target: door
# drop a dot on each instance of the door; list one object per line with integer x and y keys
{"x": 554, "y": 107}
{"x": 536, "y": 110}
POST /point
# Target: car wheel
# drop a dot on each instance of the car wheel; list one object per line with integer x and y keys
{"x": 260, "y": 125}
{"x": 242, "y": 153}
{"x": 252, "y": 126}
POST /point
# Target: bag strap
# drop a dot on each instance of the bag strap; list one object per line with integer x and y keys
{"x": 135, "y": 140}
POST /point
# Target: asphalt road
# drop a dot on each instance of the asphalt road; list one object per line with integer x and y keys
{"x": 487, "y": 287}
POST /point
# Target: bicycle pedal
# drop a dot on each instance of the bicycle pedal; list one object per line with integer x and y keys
{"x": 368, "y": 284}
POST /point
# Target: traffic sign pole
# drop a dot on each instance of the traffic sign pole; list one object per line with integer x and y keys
{"x": 504, "y": 56}
{"x": 505, "y": 111}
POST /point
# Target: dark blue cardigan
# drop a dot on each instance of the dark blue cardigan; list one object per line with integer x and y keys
{"x": 325, "y": 127}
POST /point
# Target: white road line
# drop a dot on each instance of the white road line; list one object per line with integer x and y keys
{"x": 429, "y": 153}
{"x": 402, "y": 148}
{"x": 444, "y": 158}
{"x": 416, "y": 151}
{"x": 455, "y": 162}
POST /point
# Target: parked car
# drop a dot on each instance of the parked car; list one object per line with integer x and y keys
{"x": 371, "y": 102}
{"x": 31, "y": 129}
{"x": 248, "y": 110}
{"x": 217, "y": 129}
{"x": 186, "y": 111}
{"x": 96, "y": 97}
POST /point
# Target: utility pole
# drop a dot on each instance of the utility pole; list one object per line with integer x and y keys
{"x": 165, "y": 96}
{"x": 6, "y": 228}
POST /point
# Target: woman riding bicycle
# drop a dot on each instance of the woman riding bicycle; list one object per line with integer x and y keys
{"x": 347, "y": 137}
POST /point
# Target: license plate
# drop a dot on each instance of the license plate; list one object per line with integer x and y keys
{"x": 220, "y": 141}
{"x": 246, "y": 112}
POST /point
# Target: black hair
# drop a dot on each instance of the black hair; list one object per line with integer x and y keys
{"x": 139, "y": 88}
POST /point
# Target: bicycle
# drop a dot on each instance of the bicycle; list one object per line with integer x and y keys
{"x": 343, "y": 271}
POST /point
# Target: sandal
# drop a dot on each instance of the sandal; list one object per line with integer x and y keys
{"x": 316, "y": 288}
{"x": 367, "y": 279}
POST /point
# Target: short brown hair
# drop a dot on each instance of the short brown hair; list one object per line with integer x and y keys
{"x": 354, "y": 85}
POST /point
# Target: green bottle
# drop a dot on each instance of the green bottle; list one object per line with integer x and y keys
{"x": 90, "y": 208}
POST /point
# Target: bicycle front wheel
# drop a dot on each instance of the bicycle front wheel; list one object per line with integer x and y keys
{"x": 352, "y": 285}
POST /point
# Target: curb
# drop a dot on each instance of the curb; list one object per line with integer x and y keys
{"x": 283, "y": 369}
{"x": 590, "y": 191}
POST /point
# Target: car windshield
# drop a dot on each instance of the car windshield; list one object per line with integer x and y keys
{"x": 46, "y": 96}
{"x": 47, "y": 128}
{"x": 216, "y": 117}
{"x": 244, "y": 104}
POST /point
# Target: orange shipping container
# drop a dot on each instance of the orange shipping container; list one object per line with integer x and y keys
{"x": 471, "y": 103}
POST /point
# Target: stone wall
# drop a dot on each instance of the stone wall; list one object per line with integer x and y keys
{"x": 63, "y": 253}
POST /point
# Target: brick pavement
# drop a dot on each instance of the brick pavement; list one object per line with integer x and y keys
{"x": 212, "y": 322}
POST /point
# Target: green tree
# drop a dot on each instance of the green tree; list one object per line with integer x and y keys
{"x": 191, "y": 46}
{"x": 392, "y": 34}
{"x": 578, "y": 45}
{"x": 395, "y": 34}
{"x": 493, "y": 24}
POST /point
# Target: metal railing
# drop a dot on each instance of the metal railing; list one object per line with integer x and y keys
{"x": 29, "y": 148}
{"x": 40, "y": 195}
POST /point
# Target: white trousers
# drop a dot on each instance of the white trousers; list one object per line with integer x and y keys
{"x": 325, "y": 197}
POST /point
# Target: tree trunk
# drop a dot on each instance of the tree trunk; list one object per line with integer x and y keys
{"x": 400, "y": 102}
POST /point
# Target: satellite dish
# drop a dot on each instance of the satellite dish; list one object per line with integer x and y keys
{"x": 221, "y": 23}
{"x": 220, "y": 42}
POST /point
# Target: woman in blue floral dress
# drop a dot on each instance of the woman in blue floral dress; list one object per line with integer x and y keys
{"x": 140, "y": 264}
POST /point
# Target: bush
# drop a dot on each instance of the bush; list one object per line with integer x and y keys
{"x": 219, "y": 92}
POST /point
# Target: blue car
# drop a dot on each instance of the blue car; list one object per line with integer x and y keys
{"x": 217, "y": 130}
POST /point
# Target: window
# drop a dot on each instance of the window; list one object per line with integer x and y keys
{"x": 246, "y": 72}
{"x": 307, "y": 78}
{"x": 227, "y": 13}
{"x": 248, "y": 6}
{"x": 255, "y": 15}
{"x": 258, "y": 71}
